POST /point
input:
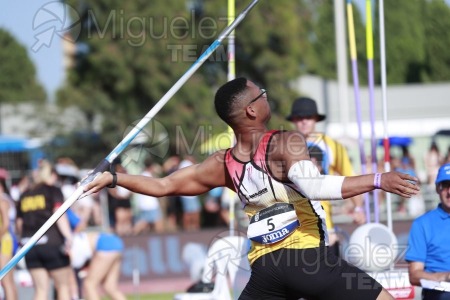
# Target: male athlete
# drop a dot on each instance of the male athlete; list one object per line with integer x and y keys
{"x": 276, "y": 181}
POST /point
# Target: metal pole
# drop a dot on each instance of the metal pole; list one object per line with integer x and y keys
{"x": 370, "y": 73}
{"x": 341, "y": 55}
{"x": 387, "y": 163}
{"x": 354, "y": 59}
{"x": 231, "y": 75}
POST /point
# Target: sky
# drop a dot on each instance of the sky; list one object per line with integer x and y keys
{"x": 21, "y": 18}
{"x": 38, "y": 25}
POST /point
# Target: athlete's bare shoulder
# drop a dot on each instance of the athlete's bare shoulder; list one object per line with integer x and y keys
{"x": 219, "y": 157}
{"x": 286, "y": 148}
{"x": 288, "y": 144}
{"x": 213, "y": 169}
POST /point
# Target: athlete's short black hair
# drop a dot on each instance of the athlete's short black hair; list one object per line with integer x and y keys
{"x": 226, "y": 97}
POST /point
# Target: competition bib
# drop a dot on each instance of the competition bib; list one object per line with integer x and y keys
{"x": 273, "y": 224}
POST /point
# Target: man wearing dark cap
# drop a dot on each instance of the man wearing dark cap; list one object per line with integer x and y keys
{"x": 429, "y": 242}
{"x": 304, "y": 115}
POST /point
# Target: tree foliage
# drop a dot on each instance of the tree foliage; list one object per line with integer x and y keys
{"x": 437, "y": 54}
{"x": 405, "y": 40}
{"x": 18, "y": 81}
{"x": 128, "y": 64}
{"x": 271, "y": 47}
{"x": 132, "y": 52}
{"x": 323, "y": 60}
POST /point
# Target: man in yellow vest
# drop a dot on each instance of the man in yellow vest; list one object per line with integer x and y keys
{"x": 304, "y": 115}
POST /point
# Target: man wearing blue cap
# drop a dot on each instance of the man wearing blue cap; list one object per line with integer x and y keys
{"x": 428, "y": 251}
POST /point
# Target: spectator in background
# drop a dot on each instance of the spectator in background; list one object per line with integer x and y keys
{"x": 304, "y": 115}
{"x": 191, "y": 204}
{"x": 228, "y": 198}
{"x": 148, "y": 209}
{"x": 407, "y": 166}
{"x": 49, "y": 257}
{"x": 429, "y": 241}
{"x": 103, "y": 254}
{"x": 99, "y": 255}
{"x": 8, "y": 241}
{"x": 119, "y": 202}
{"x": 5, "y": 192}
{"x": 76, "y": 225}
{"x": 217, "y": 209}
{"x": 18, "y": 188}
{"x": 94, "y": 207}
{"x": 68, "y": 177}
{"x": 407, "y": 158}
{"x": 433, "y": 160}
{"x": 173, "y": 203}
{"x": 319, "y": 158}
{"x": 212, "y": 216}
{"x": 447, "y": 156}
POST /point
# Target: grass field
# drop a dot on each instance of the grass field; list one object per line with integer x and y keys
{"x": 165, "y": 296}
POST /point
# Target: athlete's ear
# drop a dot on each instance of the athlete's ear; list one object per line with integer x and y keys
{"x": 251, "y": 113}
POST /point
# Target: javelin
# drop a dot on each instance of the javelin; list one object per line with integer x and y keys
{"x": 105, "y": 163}
{"x": 354, "y": 59}
{"x": 370, "y": 73}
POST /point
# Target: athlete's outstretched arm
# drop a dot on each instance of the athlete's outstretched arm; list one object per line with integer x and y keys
{"x": 392, "y": 182}
{"x": 305, "y": 175}
{"x": 193, "y": 180}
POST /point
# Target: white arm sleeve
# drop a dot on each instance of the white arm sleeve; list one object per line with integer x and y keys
{"x": 313, "y": 185}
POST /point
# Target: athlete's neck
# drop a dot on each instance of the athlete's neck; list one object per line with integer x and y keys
{"x": 247, "y": 144}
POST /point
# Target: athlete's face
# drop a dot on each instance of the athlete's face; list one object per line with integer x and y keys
{"x": 443, "y": 189}
{"x": 258, "y": 100}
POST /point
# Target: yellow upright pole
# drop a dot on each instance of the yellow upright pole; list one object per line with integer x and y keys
{"x": 231, "y": 75}
{"x": 231, "y": 47}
